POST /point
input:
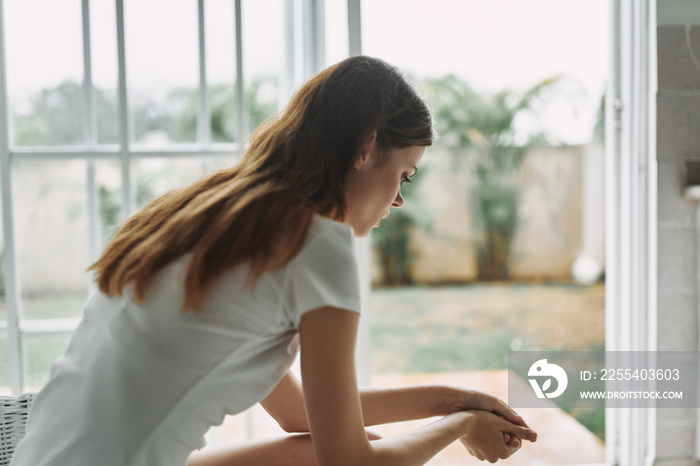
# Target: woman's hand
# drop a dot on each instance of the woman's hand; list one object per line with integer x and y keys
{"x": 475, "y": 400}
{"x": 490, "y": 437}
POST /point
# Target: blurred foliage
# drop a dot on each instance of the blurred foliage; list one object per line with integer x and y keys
{"x": 489, "y": 136}
{"x": 110, "y": 209}
{"x": 392, "y": 244}
{"x": 593, "y": 419}
{"x": 54, "y": 117}
{"x": 485, "y": 134}
{"x": 50, "y": 117}
{"x": 392, "y": 240}
{"x": 260, "y": 102}
{"x": 599, "y": 128}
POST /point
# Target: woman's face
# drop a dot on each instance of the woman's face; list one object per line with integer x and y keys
{"x": 374, "y": 185}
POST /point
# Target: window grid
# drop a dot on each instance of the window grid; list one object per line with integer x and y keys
{"x": 304, "y": 55}
{"x": 11, "y": 285}
{"x": 15, "y": 327}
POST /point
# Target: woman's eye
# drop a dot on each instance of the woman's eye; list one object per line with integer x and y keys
{"x": 405, "y": 179}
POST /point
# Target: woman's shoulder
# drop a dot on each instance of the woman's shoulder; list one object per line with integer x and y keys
{"x": 326, "y": 226}
{"x": 325, "y": 272}
{"x": 330, "y": 236}
{"x": 328, "y": 242}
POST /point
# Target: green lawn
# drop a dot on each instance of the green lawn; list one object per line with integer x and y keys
{"x": 472, "y": 327}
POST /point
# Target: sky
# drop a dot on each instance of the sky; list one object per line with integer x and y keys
{"x": 493, "y": 44}
{"x": 496, "y": 43}
{"x": 502, "y": 44}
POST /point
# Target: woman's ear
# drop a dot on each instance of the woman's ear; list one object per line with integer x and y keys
{"x": 366, "y": 150}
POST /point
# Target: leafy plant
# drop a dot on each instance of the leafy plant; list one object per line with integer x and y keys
{"x": 392, "y": 241}
{"x": 486, "y": 136}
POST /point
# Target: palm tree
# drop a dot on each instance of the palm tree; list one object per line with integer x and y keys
{"x": 481, "y": 132}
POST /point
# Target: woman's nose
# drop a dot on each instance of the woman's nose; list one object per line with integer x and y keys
{"x": 398, "y": 202}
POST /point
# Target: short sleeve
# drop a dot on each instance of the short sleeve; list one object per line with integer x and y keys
{"x": 324, "y": 273}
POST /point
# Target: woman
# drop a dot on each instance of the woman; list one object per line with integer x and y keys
{"x": 206, "y": 293}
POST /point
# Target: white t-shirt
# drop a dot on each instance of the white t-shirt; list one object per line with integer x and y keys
{"x": 141, "y": 383}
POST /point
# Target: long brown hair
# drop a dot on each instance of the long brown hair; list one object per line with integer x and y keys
{"x": 260, "y": 211}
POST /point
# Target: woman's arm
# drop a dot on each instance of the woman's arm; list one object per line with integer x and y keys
{"x": 386, "y": 405}
{"x": 286, "y": 405}
{"x": 335, "y": 413}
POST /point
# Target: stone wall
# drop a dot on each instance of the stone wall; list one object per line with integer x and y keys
{"x": 678, "y": 142}
{"x": 550, "y": 233}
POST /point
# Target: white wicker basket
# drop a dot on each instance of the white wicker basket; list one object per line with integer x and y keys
{"x": 13, "y": 410}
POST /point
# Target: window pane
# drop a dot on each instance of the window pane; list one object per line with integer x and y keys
{"x": 479, "y": 261}
{"x": 44, "y": 71}
{"x": 108, "y": 192}
{"x": 263, "y": 55}
{"x": 336, "y": 30}
{"x": 103, "y": 33}
{"x": 155, "y": 176}
{"x": 52, "y": 236}
{"x": 221, "y": 69}
{"x": 39, "y": 354}
{"x": 162, "y": 74}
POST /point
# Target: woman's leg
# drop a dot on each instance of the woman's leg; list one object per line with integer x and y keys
{"x": 290, "y": 450}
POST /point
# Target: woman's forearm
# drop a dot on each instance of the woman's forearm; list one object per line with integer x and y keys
{"x": 384, "y": 405}
{"x": 387, "y": 405}
{"x": 418, "y": 446}
{"x": 485, "y": 435}
{"x": 379, "y": 405}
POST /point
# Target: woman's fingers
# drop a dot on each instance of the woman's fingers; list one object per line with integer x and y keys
{"x": 506, "y": 412}
{"x": 493, "y": 437}
{"x": 513, "y": 442}
{"x": 519, "y": 432}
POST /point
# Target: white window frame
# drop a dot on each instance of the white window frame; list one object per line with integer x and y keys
{"x": 304, "y": 56}
{"x": 630, "y": 171}
{"x": 631, "y": 215}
